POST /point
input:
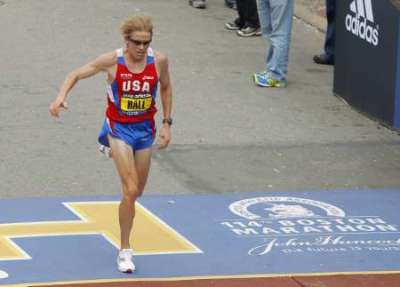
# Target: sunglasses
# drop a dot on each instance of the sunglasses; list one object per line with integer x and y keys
{"x": 138, "y": 43}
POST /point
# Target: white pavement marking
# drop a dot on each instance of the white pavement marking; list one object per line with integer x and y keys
{"x": 3, "y": 274}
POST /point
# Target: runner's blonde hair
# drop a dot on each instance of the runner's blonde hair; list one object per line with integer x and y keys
{"x": 136, "y": 24}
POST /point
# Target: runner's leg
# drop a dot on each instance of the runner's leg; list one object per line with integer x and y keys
{"x": 123, "y": 157}
{"x": 142, "y": 164}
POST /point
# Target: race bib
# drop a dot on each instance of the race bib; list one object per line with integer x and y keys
{"x": 136, "y": 103}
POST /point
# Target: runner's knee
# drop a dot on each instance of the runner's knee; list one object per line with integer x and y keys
{"x": 131, "y": 191}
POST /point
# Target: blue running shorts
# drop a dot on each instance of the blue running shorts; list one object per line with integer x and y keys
{"x": 138, "y": 135}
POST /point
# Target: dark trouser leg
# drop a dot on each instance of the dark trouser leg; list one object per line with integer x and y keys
{"x": 241, "y": 9}
{"x": 329, "y": 46}
{"x": 252, "y": 14}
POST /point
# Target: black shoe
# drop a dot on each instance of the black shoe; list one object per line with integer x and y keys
{"x": 249, "y": 32}
{"x": 230, "y": 4}
{"x": 201, "y": 4}
{"x": 232, "y": 26}
{"x": 323, "y": 60}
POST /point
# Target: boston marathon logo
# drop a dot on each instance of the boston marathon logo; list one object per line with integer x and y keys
{"x": 298, "y": 224}
{"x": 361, "y": 21}
{"x": 281, "y": 207}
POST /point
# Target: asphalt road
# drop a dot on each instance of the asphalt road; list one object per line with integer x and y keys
{"x": 228, "y": 136}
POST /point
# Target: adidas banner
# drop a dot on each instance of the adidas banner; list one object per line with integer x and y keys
{"x": 367, "y": 58}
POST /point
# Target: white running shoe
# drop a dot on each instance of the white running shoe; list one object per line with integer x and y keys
{"x": 106, "y": 151}
{"x": 124, "y": 261}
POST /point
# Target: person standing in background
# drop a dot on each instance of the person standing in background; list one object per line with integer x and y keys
{"x": 328, "y": 56}
{"x": 276, "y": 17}
{"x": 247, "y": 23}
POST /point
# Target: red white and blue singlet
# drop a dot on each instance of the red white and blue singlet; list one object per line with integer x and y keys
{"x": 131, "y": 106}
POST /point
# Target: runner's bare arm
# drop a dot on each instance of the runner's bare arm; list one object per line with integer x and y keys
{"x": 103, "y": 63}
{"x": 166, "y": 98}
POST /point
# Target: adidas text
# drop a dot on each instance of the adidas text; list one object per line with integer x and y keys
{"x": 362, "y": 29}
{"x": 361, "y": 21}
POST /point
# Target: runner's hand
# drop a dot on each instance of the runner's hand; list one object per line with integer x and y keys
{"x": 164, "y": 137}
{"x": 57, "y": 106}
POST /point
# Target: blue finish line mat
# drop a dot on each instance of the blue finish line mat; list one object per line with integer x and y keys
{"x": 66, "y": 240}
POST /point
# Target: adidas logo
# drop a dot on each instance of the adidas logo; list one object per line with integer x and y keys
{"x": 362, "y": 23}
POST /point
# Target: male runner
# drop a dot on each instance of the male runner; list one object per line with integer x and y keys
{"x": 133, "y": 74}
